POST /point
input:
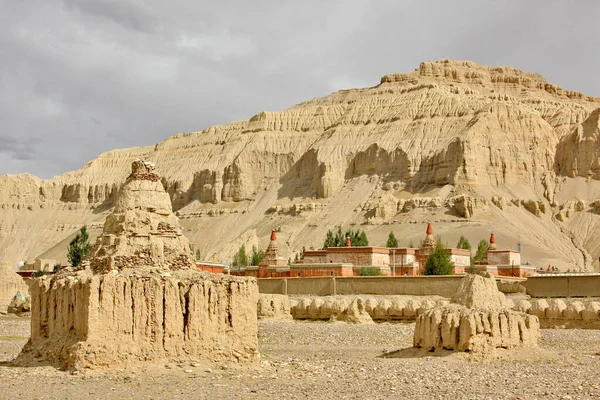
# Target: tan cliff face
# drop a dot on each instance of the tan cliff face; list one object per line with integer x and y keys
{"x": 470, "y": 141}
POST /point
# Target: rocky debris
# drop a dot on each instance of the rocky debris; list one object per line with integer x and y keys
{"x": 304, "y": 360}
{"x": 569, "y": 208}
{"x": 500, "y": 202}
{"x": 466, "y": 206}
{"x": 537, "y": 208}
{"x": 477, "y": 320}
{"x": 20, "y": 303}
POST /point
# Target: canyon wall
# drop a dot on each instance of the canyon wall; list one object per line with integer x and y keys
{"x": 496, "y": 136}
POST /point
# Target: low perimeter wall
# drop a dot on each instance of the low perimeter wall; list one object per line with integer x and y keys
{"x": 563, "y": 286}
{"x": 444, "y": 286}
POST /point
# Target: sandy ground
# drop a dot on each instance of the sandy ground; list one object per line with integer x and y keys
{"x": 311, "y": 360}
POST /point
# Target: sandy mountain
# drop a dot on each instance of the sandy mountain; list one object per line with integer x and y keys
{"x": 472, "y": 148}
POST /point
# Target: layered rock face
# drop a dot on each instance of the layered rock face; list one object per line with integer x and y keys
{"x": 141, "y": 300}
{"x": 478, "y": 319}
{"x": 451, "y": 138}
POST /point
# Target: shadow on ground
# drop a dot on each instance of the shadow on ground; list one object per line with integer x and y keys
{"x": 414, "y": 352}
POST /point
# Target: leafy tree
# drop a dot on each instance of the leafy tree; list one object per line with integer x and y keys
{"x": 79, "y": 247}
{"x": 463, "y": 243}
{"x": 438, "y": 262}
{"x": 482, "y": 249}
{"x": 392, "y": 241}
{"x": 369, "y": 271}
{"x": 240, "y": 258}
{"x": 198, "y": 255}
{"x": 56, "y": 268}
{"x": 257, "y": 256}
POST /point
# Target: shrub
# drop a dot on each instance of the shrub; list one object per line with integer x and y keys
{"x": 438, "y": 262}
{"x": 369, "y": 271}
{"x": 463, "y": 243}
{"x": 78, "y": 248}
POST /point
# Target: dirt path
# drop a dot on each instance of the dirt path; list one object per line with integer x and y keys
{"x": 304, "y": 360}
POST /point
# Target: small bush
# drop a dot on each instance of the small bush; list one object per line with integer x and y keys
{"x": 369, "y": 271}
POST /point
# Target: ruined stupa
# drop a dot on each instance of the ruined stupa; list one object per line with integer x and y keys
{"x": 141, "y": 299}
{"x": 142, "y": 230}
{"x": 478, "y": 319}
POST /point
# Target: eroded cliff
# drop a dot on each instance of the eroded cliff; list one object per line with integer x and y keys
{"x": 454, "y": 133}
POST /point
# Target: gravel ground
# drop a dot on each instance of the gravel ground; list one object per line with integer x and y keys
{"x": 313, "y": 360}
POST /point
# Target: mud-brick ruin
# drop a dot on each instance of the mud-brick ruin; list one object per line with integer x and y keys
{"x": 478, "y": 319}
{"x": 142, "y": 299}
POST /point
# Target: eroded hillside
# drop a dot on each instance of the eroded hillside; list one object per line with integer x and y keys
{"x": 472, "y": 148}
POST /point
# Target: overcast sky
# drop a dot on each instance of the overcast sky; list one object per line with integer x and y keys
{"x": 80, "y": 77}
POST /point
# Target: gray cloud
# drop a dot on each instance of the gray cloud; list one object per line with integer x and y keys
{"x": 18, "y": 149}
{"x": 79, "y": 77}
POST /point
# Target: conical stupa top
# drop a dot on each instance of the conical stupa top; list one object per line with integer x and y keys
{"x": 348, "y": 242}
{"x": 492, "y": 242}
{"x": 429, "y": 241}
{"x": 272, "y": 250}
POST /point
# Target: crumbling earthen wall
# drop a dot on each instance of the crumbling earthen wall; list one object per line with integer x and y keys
{"x": 478, "y": 319}
{"x": 142, "y": 299}
{"x": 100, "y": 320}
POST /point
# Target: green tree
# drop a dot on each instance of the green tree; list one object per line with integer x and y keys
{"x": 240, "y": 258}
{"x": 362, "y": 239}
{"x": 392, "y": 241}
{"x": 357, "y": 238}
{"x": 471, "y": 269}
{"x": 56, "y": 267}
{"x": 329, "y": 240}
{"x": 463, "y": 243}
{"x": 257, "y": 256}
{"x": 198, "y": 255}
{"x": 78, "y": 247}
{"x": 438, "y": 262}
{"x": 482, "y": 249}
